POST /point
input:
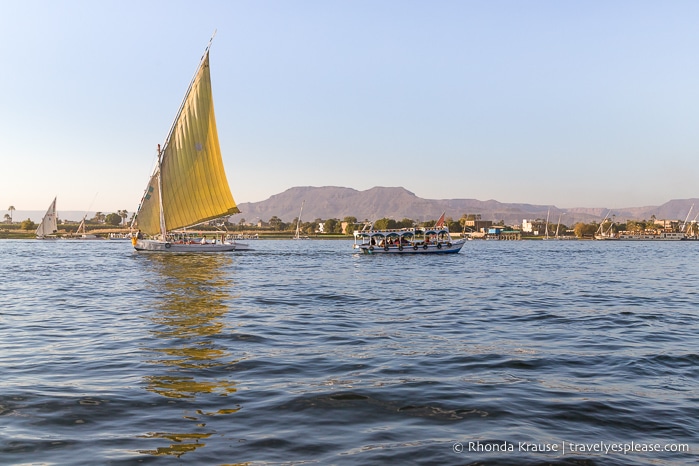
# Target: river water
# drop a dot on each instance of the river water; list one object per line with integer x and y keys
{"x": 302, "y": 352}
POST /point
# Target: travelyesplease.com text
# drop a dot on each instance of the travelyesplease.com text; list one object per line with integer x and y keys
{"x": 564, "y": 447}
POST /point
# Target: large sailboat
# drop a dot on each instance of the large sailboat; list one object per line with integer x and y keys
{"x": 189, "y": 185}
{"x": 48, "y": 225}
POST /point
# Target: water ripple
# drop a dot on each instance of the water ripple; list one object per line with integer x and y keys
{"x": 306, "y": 353}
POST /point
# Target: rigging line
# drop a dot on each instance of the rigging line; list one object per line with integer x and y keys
{"x": 210, "y": 42}
{"x": 90, "y": 206}
{"x": 186, "y": 95}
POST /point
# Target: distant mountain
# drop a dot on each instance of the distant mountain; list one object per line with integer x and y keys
{"x": 398, "y": 203}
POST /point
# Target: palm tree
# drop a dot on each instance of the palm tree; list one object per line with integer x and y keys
{"x": 275, "y": 222}
{"x": 11, "y": 209}
{"x": 123, "y": 214}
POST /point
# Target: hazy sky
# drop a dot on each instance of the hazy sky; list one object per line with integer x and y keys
{"x": 567, "y": 103}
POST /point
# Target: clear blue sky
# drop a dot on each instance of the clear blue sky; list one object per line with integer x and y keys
{"x": 567, "y": 103}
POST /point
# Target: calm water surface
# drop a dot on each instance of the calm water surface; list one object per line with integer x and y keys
{"x": 301, "y": 352}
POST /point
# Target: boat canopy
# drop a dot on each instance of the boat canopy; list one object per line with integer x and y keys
{"x": 404, "y": 233}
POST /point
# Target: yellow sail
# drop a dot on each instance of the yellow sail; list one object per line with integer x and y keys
{"x": 194, "y": 184}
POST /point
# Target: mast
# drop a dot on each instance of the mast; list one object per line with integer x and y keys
{"x": 559, "y": 224}
{"x": 298, "y": 223}
{"x": 186, "y": 96}
{"x": 163, "y": 229}
{"x": 684, "y": 225}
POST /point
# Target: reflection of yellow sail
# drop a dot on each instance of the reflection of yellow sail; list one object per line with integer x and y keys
{"x": 188, "y": 387}
{"x": 181, "y": 443}
{"x": 187, "y": 363}
{"x": 191, "y": 313}
{"x": 194, "y": 184}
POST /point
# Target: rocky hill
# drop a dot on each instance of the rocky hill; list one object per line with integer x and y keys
{"x": 398, "y": 203}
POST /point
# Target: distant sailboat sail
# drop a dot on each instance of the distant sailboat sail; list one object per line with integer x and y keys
{"x": 440, "y": 221}
{"x": 189, "y": 185}
{"x": 48, "y": 224}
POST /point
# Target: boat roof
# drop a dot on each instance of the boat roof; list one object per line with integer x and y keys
{"x": 402, "y": 232}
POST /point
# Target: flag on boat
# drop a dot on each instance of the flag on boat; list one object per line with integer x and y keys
{"x": 440, "y": 222}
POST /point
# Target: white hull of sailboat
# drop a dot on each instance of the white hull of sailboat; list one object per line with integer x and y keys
{"x": 165, "y": 246}
{"x": 605, "y": 237}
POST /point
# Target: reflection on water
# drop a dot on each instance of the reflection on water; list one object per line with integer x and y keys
{"x": 182, "y": 443}
{"x": 186, "y": 387}
{"x": 191, "y": 298}
{"x": 139, "y": 363}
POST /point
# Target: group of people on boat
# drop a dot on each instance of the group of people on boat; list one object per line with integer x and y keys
{"x": 401, "y": 241}
{"x": 184, "y": 238}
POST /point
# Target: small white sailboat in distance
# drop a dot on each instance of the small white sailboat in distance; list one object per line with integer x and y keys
{"x": 298, "y": 224}
{"x": 558, "y": 226}
{"x": 48, "y": 225}
{"x": 604, "y": 232}
{"x": 189, "y": 185}
{"x": 82, "y": 232}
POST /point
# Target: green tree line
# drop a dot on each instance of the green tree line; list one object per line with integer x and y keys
{"x": 334, "y": 225}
